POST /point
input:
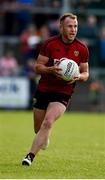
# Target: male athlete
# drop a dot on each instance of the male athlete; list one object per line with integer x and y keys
{"x": 53, "y": 94}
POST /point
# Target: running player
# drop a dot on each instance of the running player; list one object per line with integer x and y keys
{"x": 53, "y": 94}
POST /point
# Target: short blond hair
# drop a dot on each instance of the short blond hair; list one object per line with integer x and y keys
{"x": 62, "y": 18}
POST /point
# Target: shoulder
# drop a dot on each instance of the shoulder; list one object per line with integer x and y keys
{"x": 48, "y": 45}
{"x": 81, "y": 44}
{"x": 51, "y": 40}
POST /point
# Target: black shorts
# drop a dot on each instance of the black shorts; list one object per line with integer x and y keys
{"x": 42, "y": 99}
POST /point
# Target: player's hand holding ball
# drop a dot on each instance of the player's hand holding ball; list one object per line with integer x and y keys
{"x": 54, "y": 70}
{"x": 74, "y": 79}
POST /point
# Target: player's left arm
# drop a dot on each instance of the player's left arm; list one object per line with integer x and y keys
{"x": 84, "y": 71}
{"x": 83, "y": 66}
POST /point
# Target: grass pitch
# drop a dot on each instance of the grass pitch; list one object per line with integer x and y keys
{"x": 77, "y": 147}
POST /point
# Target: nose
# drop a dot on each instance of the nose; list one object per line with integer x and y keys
{"x": 73, "y": 29}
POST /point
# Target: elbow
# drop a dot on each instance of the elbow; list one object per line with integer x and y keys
{"x": 86, "y": 77}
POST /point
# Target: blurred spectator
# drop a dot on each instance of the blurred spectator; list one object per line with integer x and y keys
{"x": 8, "y": 64}
{"x": 56, "y": 3}
{"x": 23, "y": 15}
{"x": 88, "y": 4}
{"x": 17, "y": 15}
{"x": 7, "y": 8}
{"x": 44, "y": 32}
{"x": 29, "y": 72}
{"x": 29, "y": 40}
{"x": 53, "y": 26}
{"x": 97, "y": 4}
{"x": 102, "y": 47}
{"x": 88, "y": 30}
{"x": 80, "y": 4}
{"x": 41, "y": 3}
{"x": 1, "y": 23}
{"x": 47, "y": 3}
{"x": 44, "y": 35}
{"x": 95, "y": 95}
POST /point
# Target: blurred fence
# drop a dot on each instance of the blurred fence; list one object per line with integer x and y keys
{"x": 15, "y": 94}
{"x": 81, "y": 100}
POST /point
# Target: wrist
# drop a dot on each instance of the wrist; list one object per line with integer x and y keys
{"x": 79, "y": 77}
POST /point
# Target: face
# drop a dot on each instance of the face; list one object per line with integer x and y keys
{"x": 68, "y": 29}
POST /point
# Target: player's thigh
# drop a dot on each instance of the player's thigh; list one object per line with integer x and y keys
{"x": 54, "y": 111}
{"x": 38, "y": 116}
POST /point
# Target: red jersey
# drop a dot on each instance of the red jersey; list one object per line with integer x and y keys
{"x": 55, "y": 48}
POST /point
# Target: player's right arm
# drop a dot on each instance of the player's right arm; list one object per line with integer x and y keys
{"x": 41, "y": 68}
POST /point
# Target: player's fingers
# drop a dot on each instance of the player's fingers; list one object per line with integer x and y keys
{"x": 57, "y": 68}
{"x": 71, "y": 82}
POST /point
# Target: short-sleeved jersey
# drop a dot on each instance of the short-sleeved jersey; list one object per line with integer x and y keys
{"x": 54, "y": 48}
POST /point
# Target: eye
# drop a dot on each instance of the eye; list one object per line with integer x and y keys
{"x": 75, "y": 26}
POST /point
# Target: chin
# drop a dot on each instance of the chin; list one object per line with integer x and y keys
{"x": 70, "y": 40}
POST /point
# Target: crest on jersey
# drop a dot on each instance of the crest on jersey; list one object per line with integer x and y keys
{"x": 76, "y": 53}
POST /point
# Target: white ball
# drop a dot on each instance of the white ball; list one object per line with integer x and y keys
{"x": 70, "y": 69}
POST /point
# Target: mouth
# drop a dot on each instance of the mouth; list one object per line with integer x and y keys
{"x": 72, "y": 34}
